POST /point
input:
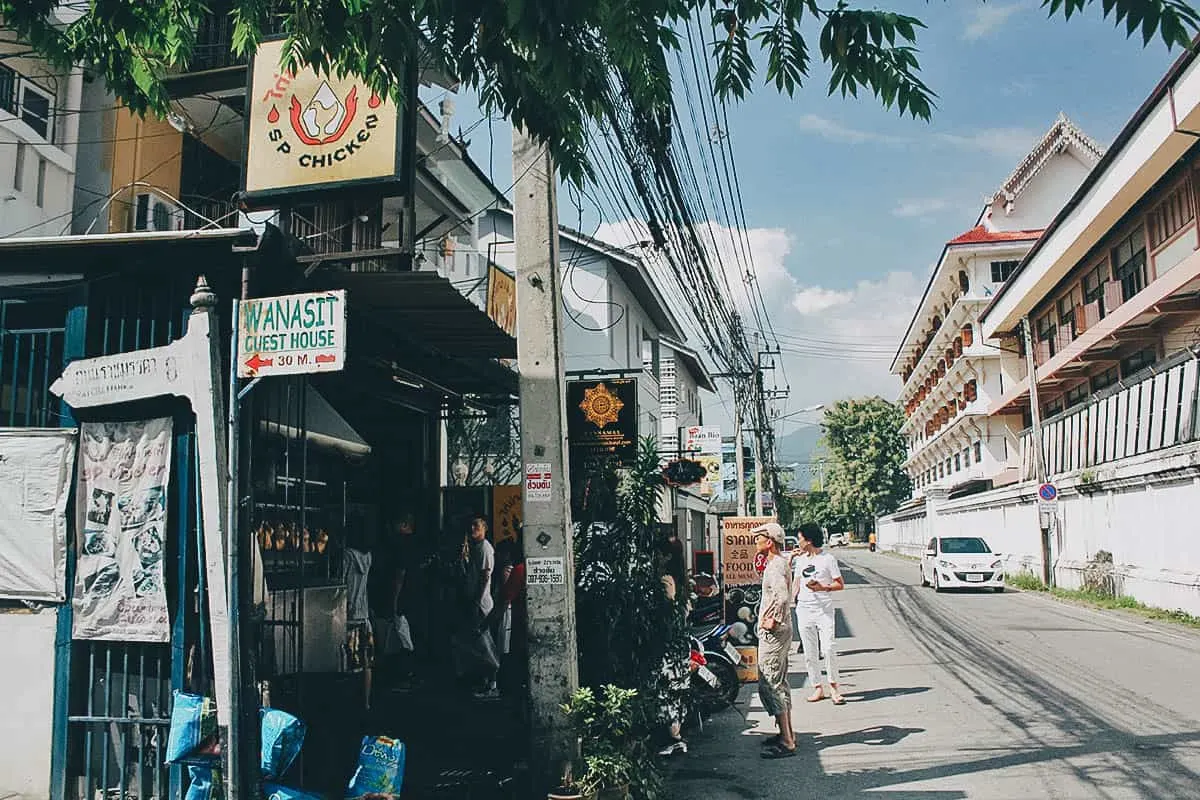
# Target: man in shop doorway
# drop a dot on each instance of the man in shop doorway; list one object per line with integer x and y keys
{"x": 397, "y": 582}
{"x": 473, "y": 645}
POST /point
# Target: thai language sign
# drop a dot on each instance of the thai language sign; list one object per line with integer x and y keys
{"x": 702, "y": 443}
{"x": 740, "y": 579}
{"x": 309, "y": 128}
{"x": 124, "y": 470}
{"x": 292, "y": 334}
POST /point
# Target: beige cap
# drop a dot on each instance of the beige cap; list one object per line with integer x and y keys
{"x": 773, "y": 531}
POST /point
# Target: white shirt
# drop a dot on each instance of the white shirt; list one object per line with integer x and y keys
{"x": 821, "y": 567}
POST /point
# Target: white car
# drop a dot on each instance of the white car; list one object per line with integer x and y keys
{"x": 838, "y": 540}
{"x": 961, "y": 562}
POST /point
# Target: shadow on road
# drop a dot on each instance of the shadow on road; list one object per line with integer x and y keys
{"x": 877, "y": 736}
{"x": 863, "y": 651}
{"x": 868, "y": 695}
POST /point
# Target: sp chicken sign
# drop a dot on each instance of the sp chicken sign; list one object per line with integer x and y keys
{"x": 309, "y": 129}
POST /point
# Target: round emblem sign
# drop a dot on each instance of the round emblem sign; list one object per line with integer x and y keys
{"x": 760, "y": 562}
{"x": 1047, "y": 492}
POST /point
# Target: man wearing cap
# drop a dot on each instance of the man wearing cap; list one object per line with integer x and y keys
{"x": 775, "y": 639}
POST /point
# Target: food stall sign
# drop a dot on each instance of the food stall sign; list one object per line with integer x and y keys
{"x": 292, "y": 334}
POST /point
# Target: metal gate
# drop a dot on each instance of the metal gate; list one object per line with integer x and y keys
{"x": 119, "y": 697}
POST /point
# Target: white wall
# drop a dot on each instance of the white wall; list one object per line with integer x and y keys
{"x": 27, "y": 696}
{"x": 1055, "y": 182}
{"x": 1143, "y": 512}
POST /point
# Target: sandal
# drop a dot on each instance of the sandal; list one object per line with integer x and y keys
{"x": 816, "y": 697}
{"x": 772, "y": 741}
{"x": 838, "y": 700}
{"x": 778, "y": 751}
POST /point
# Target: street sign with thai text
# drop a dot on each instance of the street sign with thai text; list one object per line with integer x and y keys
{"x": 121, "y": 378}
{"x": 292, "y": 335}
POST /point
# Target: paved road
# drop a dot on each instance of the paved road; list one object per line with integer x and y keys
{"x": 996, "y": 696}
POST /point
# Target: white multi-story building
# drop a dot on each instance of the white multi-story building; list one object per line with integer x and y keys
{"x": 39, "y": 133}
{"x": 951, "y": 375}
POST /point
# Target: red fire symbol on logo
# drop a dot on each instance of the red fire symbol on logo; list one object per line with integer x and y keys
{"x": 326, "y": 118}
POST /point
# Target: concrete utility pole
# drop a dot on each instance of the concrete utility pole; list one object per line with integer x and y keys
{"x": 553, "y": 660}
{"x": 1039, "y": 462}
{"x": 739, "y": 454}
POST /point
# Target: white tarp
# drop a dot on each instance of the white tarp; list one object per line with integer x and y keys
{"x": 124, "y": 468}
{"x": 35, "y": 482}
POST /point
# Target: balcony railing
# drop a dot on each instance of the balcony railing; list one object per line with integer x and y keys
{"x": 28, "y": 101}
{"x": 214, "y": 40}
{"x": 1156, "y": 412}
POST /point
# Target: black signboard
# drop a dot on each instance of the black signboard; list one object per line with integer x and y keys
{"x": 602, "y": 423}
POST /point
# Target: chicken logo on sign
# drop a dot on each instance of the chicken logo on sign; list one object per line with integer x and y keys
{"x": 326, "y": 117}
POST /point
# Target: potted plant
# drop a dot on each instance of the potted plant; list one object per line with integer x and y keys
{"x": 568, "y": 788}
{"x": 608, "y": 739}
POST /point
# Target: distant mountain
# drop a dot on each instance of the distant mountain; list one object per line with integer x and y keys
{"x": 798, "y": 447}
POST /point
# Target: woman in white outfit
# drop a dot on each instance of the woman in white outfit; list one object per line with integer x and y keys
{"x": 815, "y": 576}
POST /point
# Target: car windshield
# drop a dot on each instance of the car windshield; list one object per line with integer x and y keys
{"x": 964, "y": 545}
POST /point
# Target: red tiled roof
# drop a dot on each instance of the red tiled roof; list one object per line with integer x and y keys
{"x": 981, "y": 235}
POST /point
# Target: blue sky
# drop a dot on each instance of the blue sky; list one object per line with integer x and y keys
{"x": 849, "y": 204}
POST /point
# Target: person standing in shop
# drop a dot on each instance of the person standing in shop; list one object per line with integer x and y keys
{"x": 815, "y": 576}
{"x": 356, "y": 572}
{"x": 395, "y": 595}
{"x": 475, "y": 649}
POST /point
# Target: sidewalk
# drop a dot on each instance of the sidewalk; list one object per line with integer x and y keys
{"x": 843, "y": 751}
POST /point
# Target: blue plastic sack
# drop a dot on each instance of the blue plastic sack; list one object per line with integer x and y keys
{"x": 204, "y": 783}
{"x": 380, "y": 768}
{"x": 194, "y": 738}
{"x": 273, "y": 791}
{"x": 282, "y": 738}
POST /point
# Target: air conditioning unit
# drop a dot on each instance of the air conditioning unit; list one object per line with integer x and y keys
{"x": 154, "y": 213}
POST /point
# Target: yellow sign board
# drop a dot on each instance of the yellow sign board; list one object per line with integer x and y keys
{"x": 502, "y": 299}
{"x": 738, "y": 550}
{"x": 506, "y": 513}
{"x": 311, "y": 129}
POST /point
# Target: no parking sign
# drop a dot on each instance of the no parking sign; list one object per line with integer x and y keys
{"x": 1047, "y": 497}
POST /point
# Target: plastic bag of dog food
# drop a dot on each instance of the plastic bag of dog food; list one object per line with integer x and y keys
{"x": 273, "y": 791}
{"x": 282, "y": 738}
{"x": 204, "y": 783}
{"x": 194, "y": 738}
{"x": 380, "y": 768}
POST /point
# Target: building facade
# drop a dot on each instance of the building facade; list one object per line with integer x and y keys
{"x": 951, "y": 373}
{"x": 1109, "y": 298}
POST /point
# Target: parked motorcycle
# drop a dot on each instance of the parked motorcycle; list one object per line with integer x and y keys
{"x": 715, "y": 683}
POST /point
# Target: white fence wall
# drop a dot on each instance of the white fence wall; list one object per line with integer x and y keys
{"x": 1140, "y": 509}
{"x": 26, "y": 726}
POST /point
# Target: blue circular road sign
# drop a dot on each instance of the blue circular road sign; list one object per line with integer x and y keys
{"x": 1047, "y": 492}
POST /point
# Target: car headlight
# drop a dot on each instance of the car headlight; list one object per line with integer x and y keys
{"x": 945, "y": 565}
{"x": 997, "y": 564}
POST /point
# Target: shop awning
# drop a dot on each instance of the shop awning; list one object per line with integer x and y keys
{"x": 322, "y": 424}
{"x": 426, "y": 307}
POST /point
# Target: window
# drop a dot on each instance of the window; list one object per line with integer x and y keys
{"x": 957, "y": 462}
{"x": 1171, "y": 215}
{"x": 1129, "y": 263}
{"x": 8, "y": 89}
{"x": 978, "y": 452}
{"x": 1003, "y": 270}
{"x": 947, "y": 466}
{"x": 1053, "y": 407}
{"x": 41, "y": 183}
{"x": 1045, "y": 330}
{"x": 1093, "y": 287}
{"x": 1138, "y": 361}
{"x": 1066, "y": 310}
{"x": 35, "y": 109}
{"x": 1105, "y": 379}
{"x": 19, "y": 170}
{"x": 1077, "y": 395}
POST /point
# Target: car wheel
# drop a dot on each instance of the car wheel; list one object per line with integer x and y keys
{"x": 923, "y": 581}
{"x": 937, "y": 583}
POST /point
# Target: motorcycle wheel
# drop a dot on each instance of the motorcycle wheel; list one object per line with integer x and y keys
{"x": 711, "y": 699}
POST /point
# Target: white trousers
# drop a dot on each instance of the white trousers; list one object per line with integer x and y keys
{"x": 816, "y": 636}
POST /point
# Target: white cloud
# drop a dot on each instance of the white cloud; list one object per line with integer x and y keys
{"x": 987, "y": 18}
{"x": 920, "y": 207}
{"x": 815, "y": 299}
{"x": 1013, "y": 143}
{"x": 835, "y": 131}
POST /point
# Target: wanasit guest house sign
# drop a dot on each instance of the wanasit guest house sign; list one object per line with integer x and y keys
{"x": 292, "y": 334}
{"x": 311, "y": 129}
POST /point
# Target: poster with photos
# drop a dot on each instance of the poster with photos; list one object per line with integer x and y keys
{"x": 124, "y": 468}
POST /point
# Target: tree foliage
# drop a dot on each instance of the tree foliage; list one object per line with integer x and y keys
{"x": 866, "y": 456}
{"x": 549, "y": 67}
